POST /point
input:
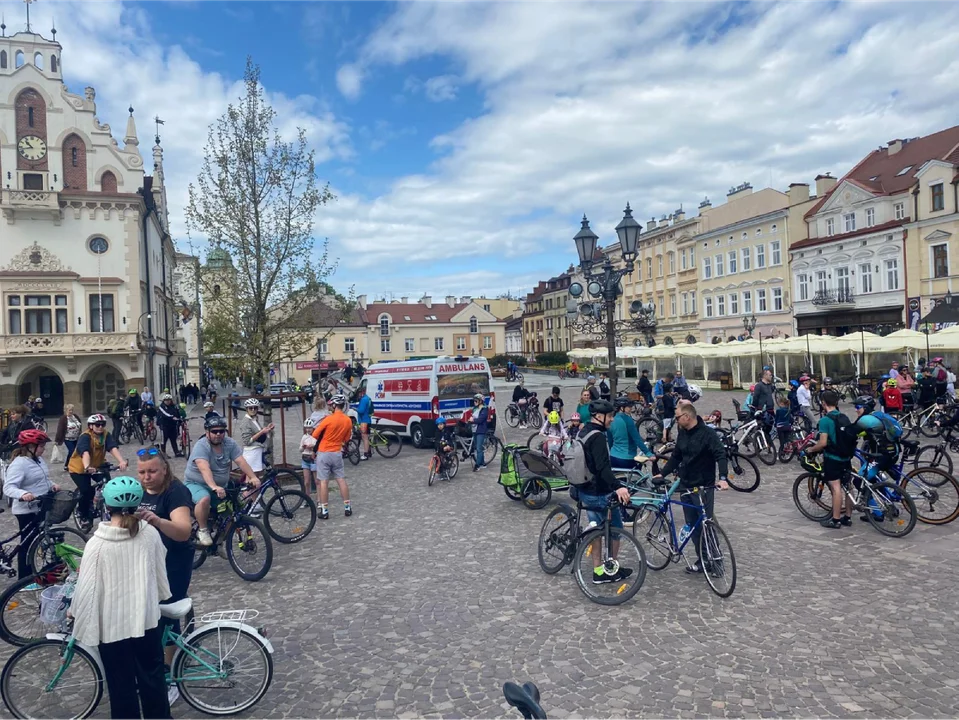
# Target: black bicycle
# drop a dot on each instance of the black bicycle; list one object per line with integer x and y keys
{"x": 524, "y": 698}
{"x": 248, "y": 546}
{"x": 289, "y": 515}
{"x": 97, "y": 479}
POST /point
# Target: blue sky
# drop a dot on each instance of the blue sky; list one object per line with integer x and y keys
{"x": 465, "y": 140}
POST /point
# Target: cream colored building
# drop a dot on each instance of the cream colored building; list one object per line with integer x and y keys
{"x": 502, "y": 307}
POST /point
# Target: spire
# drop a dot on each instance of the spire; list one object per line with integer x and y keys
{"x": 3, "y": 26}
{"x": 131, "y": 136}
{"x": 53, "y": 30}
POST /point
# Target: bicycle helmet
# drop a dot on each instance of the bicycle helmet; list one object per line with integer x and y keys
{"x": 600, "y": 407}
{"x": 251, "y": 403}
{"x": 553, "y": 418}
{"x": 208, "y": 404}
{"x": 794, "y": 383}
{"x": 752, "y": 388}
{"x": 122, "y": 492}
{"x": 166, "y": 397}
{"x": 892, "y": 382}
{"x": 96, "y": 418}
{"x": 214, "y": 423}
{"x": 309, "y": 423}
{"x": 623, "y": 402}
{"x": 183, "y": 405}
{"x": 937, "y": 360}
{"x": 133, "y": 391}
{"x": 804, "y": 378}
{"x": 32, "y": 437}
{"x": 865, "y": 402}
{"x": 827, "y": 381}
{"x": 479, "y": 396}
{"x": 441, "y": 421}
{"x": 810, "y": 463}
{"x": 338, "y": 400}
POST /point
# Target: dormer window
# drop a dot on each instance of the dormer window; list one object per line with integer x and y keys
{"x": 904, "y": 170}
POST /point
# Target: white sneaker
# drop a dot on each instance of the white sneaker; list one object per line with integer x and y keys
{"x": 173, "y": 694}
{"x": 204, "y": 538}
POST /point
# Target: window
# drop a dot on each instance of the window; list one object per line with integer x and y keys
{"x": 777, "y": 299}
{"x": 760, "y": 256}
{"x": 865, "y": 277}
{"x": 849, "y": 222}
{"x": 904, "y": 170}
{"x": 830, "y": 227}
{"x": 773, "y": 229}
{"x": 349, "y": 345}
{"x": 900, "y": 210}
{"x": 870, "y": 217}
{"x": 938, "y": 197}
{"x": 38, "y": 60}
{"x": 672, "y": 263}
{"x": 708, "y": 307}
{"x": 649, "y": 267}
{"x": 101, "y": 304}
{"x": 386, "y": 346}
{"x": 3, "y": 59}
{"x": 802, "y": 282}
{"x": 692, "y": 301}
{"x": 409, "y": 344}
{"x": 74, "y": 156}
{"x": 659, "y": 264}
{"x": 892, "y": 274}
{"x": 745, "y": 235}
{"x": 30, "y": 116}
{"x": 692, "y": 257}
{"x": 99, "y": 245}
{"x": 487, "y": 342}
{"x": 486, "y": 307}
{"x": 36, "y": 317}
{"x": 672, "y": 306}
{"x": 682, "y": 260}
{"x": 707, "y": 269}
{"x": 745, "y": 253}
{"x": 53, "y": 63}
{"x": 324, "y": 346}
{"x": 18, "y": 61}
{"x": 438, "y": 343}
{"x": 777, "y": 257}
{"x": 732, "y": 262}
{"x": 761, "y": 300}
{"x": 734, "y": 303}
{"x": 719, "y": 265}
{"x": 759, "y": 232}
{"x": 940, "y": 261}
{"x": 662, "y": 308}
{"x": 460, "y": 343}
{"x": 747, "y": 302}
{"x": 721, "y": 305}
{"x": 821, "y": 281}
{"x": 384, "y": 325}
{"x": 474, "y": 325}
{"x": 685, "y": 303}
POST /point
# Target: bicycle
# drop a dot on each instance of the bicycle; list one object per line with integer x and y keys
{"x": 150, "y": 428}
{"x": 185, "y": 441}
{"x": 491, "y": 446}
{"x": 563, "y": 541}
{"x": 99, "y": 512}
{"x": 221, "y": 666}
{"x": 285, "y": 510}
{"x": 130, "y": 429}
{"x": 752, "y": 438}
{"x": 236, "y": 529}
{"x": 936, "y": 455}
{"x": 524, "y": 698}
{"x": 791, "y": 448}
{"x": 387, "y": 443}
{"x": 923, "y": 421}
{"x": 444, "y": 466}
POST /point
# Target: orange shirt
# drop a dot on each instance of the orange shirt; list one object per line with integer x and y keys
{"x": 333, "y": 431}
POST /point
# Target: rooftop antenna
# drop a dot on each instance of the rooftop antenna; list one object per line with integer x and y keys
{"x": 28, "y": 13}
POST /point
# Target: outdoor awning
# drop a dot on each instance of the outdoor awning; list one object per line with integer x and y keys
{"x": 945, "y": 312}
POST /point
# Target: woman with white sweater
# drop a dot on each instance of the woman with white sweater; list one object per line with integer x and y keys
{"x": 116, "y": 605}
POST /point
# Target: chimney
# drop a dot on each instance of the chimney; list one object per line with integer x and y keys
{"x": 651, "y": 225}
{"x": 361, "y": 301}
{"x": 451, "y": 300}
{"x": 427, "y": 300}
{"x": 679, "y": 216}
{"x": 744, "y": 189}
{"x": 895, "y": 146}
{"x": 405, "y": 300}
{"x": 798, "y": 193}
{"x": 704, "y": 205}
{"x": 824, "y": 183}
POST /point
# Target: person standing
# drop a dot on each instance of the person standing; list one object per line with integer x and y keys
{"x": 764, "y": 396}
{"x": 553, "y": 402}
{"x": 364, "y": 416}
{"x": 331, "y": 434}
{"x": 115, "y": 409}
{"x": 644, "y": 387}
{"x": 91, "y": 452}
{"x": 320, "y": 410}
{"x": 623, "y": 437}
{"x": 521, "y": 398}
{"x": 116, "y": 604}
{"x": 253, "y": 437}
{"x": 68, "y": 432}
{"x": 804, "y": 398}
{"x": 480, "y": 420}
{"x": 582, "y": 409}
{"x": 838, "y": 447}
{"x": 926, "y": 386}
{"x": 168, "y": 418}
{"x": 27, "y": 480}
{"x": 146, "y": 397}
{"x": 894, "y": 370}
{"x": 591, "y": 387}
{"x": 604, "y": 392}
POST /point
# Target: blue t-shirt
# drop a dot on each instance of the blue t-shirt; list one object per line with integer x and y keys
{"x": 220, "y": 464}
{"x": 363, "y": 414}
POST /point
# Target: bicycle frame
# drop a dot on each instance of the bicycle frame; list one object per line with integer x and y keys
{"x": 664, "y": 503}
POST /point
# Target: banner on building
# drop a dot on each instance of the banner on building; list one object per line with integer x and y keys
{"x": 915, "y": 312}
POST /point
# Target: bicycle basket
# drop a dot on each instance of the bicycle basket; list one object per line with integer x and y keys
{"x": 59, "y": 506}
{"x": 53, "y": 604}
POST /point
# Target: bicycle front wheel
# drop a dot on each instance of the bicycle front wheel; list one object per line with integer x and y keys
{"x": 434, "y": 468}
{"x": 512, "y": 417}
{"x": 928, "y": 427}
{"x": 743, "y": 473}
{"x": 935, "y": 456}
{"x": 242, "y": 670}
{"x": 719, "y": 563}
{"x": 43, "y": 550}
{"x": 651, "y": 528}
{"x": 619, "y": 578}
{"x": 650, "y": 430}
{"x": 352, "y": 451}
{"x": 152, "y": 433}
{"x": 935, "y": 494}
{"x": 812, "y": 496}
{"x": 249, "y": 548}
{"x": 387, "y": 443}
{"x": 556, "y": 539}
{"x": 490, "y": 447}
{"x": 290, "y": 516}
{"x": 31, "y": 687}
{"x": 766, "y": 451}
{"x": 895, "y": 512}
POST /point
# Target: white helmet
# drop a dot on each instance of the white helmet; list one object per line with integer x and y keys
{"x": 208, "y": 404}
{"x": 309, "y": 423}
{"x": 96, "y": 419}
{"x": 251, "y": 403}
{"x": 167, "y": 396}
{"x": 338, "y": 400}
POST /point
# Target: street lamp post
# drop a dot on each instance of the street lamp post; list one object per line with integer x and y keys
{"x": 604, "y": 283}
{"x": 749, "y": 324}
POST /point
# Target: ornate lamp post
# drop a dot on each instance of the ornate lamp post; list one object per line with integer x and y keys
{"x": 604, "y": 284}
{"x": 749, "y": 324}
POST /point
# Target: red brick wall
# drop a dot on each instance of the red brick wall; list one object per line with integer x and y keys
{"x": 25, "y": 100}
{"x": 74, "y": 173}
{"x": 108, "y": 182}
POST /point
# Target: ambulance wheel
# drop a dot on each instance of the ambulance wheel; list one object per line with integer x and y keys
{"x": 417, "y": 436}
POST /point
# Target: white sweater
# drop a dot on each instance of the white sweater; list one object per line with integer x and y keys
{"x": 122, "y": 581}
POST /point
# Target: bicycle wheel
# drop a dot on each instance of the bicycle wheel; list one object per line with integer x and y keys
{"x": 453, "y": 466}
{"x": 650, "y": 430}
{"x": 897, "y": 512}
{"x": 719, "y": 562}
{"x": 491, "y": 446}
{"x": 512, "y": 493}
{"x": 199, "y": 556}
{"x": 20, "y": 621}
{"x": 352, "y": 451}
{"x": 249, "y": 548}
{"x": 928, "y": 427}
{"x": 84, "y": 525}
{"x": 766, "y": 451}
{"x": 434, "y": 468}
{"x": 42, "y": 550}
{"x": 786, "y": 451}
{"x": 152, "y": 433}
{"x": 935, "y": 494}
{"x": 747, "y": 447}
{"x": 290, "y": 516}
{"x": 534, "y": 442}
{"x": 388, "y": 443}
{"x": 240, "y": 655}
{"x": 288, "y": 479}
{"x": 24, "y": 683}
{"x": 512, "y": 417}
{"x": 621, "y": 578}
{"x": 556, "y": 539}
{"x": 124, "y": 436}
{"x": 536, "y": 493}
{"x": 185, "y": 442}
{"x": 743, "y": 473}
{"x": 812, "y": 496}
{"x": 651, "y": 528}
{"x": 936, "y": 456}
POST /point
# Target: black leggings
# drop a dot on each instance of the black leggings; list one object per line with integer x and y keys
{"x": 169, "y": 435}
{"x": 24, "y": 521}
{"x": 133, "y": 669}
{"x": 85, "y": 504}
{"x": 179, "y": 572}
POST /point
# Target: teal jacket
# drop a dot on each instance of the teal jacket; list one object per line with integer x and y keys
{"x": 624, "y": 439}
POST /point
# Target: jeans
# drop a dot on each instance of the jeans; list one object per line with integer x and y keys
{"x": 479, "y": 439}
{"x": 71, "y": 447}
{"x": 133, "y": 669}
{"x": 704, "y": 500}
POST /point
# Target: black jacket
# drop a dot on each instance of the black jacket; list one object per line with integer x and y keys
{"x": 927, "y": 390}
{"x": 596, "y": 455}
{"x": 133, "y": 403}
{"x": 444, "y": 438}
{"x": 520, "y": 393}
{"x": 764, "y": 396}
{"x": 168, "y": 415}
{"x": 696, "y": 455}
{"x": 644, "y": 385}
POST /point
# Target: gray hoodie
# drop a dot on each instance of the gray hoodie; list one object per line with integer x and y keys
{"x": 26, "y": 475}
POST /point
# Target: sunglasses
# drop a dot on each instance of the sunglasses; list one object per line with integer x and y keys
{"x": 99, "y": 424}
{"x": 217, "y": 432}
{"x": 148, "y": 452}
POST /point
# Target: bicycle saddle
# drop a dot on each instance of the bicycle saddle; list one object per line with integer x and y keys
{"x": 177, "y": 610}
{"x": 660, "y": 482}
{"x": 910, "y": 444}
{"x": 525, "y": 699}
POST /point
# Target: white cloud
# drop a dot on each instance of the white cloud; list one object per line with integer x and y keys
{"x": 349, "y": 80}
{"x": 441, "y": 88}
{"x": 589, "y": 105}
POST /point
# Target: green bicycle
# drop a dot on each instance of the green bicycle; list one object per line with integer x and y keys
{"x": 221, "y": 666}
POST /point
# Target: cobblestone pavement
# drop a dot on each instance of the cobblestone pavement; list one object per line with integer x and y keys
{"x": 429, "y": 598}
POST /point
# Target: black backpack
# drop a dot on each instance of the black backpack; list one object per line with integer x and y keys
{"x": 845, "y": 443}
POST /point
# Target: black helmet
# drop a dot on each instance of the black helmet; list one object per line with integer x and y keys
{"x": 215, "y": 423}
{"x": 827, "y": 380}
{"x": 600, "y": 407}
{"x": 623, "y": 402}
{"x": 865, "y": 402}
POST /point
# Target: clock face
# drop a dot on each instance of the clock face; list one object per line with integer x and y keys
{"x": 32, "y": 148}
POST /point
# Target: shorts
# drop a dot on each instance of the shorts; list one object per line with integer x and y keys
{"x": 667, "y": 423}
{"x": 835, "y": 469}
{"x": 254, "y": 457}
{"x": 198, "y": 492}
{"x": 598, "y": 515}
{"x": 329, "y": 466}
{"x": 306, "y": 464}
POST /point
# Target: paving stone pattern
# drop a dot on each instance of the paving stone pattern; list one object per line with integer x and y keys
{"x": 429, "y": 598}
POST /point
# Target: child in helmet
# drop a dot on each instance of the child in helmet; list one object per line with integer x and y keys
{"x": 892, "y": 396}
{"x": 554, "y": 432}
{"x": 183, "y": 411}
{"x": 210, "y": 412}
{"x": 308, "y": 455}
{"x": 748, "y": 403}
{"x": 575, "y": 426}
{"x": 445, "y": 445}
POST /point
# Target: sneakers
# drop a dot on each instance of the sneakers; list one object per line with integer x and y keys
{"x": 602, "y": 578}
{"x": 173, "y": 694}
{"x": 695, "y": 568}
{"x": 32, "y": 587}
{"x": 204, "y": 538}
{"x": 348, "y": 511}
{"x": 831, "y": 523}
{"x": 846, "y": 521}
{"x": 324, "y": 515}
{"x": 364, "y": 457}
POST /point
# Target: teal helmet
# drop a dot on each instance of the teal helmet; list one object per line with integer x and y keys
{"x": 122, "y": 492}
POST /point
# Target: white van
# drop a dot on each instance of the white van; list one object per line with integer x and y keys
{"x": 408, "y": 396}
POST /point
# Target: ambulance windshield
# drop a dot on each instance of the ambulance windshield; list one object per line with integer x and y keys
{"x": 462, "y": 385}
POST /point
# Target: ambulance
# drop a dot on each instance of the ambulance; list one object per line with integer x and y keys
{"x": 409, "y": 396}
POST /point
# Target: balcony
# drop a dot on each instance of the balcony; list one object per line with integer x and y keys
{"x": 29, "y": 202}
{"x": 68, "y": 344}
{"x": 839, "y": 296}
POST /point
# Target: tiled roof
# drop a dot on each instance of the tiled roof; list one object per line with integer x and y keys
{"x": 415, "y": 313}
{"x": 881, "y": 173}
{"x": 810, "y": 242}
{"x": 319, "y": 314}
{"x": 514, "y": 324}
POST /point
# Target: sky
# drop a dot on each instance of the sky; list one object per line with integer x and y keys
{"x": 465, "y": 140}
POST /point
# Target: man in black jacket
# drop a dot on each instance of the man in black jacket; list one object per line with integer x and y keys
{"x": 698, "y": 450}
{"x": 645, "y": 387}
{"x": 595, "y": 494}
{"x": 764, "y": 396}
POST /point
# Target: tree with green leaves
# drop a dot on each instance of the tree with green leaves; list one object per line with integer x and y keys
{"x": 255, "y": 199}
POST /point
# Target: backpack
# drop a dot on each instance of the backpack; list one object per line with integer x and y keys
{"x": 574, "y": 460}
{"x": 890, "y": 425}
{"x": 845, "y": 443}
{"x": 603, "y": 388}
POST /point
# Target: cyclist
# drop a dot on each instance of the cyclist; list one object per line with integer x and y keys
{"x": 332, "y": 433}
{"x": 553, "y": 402}
{"x": 926, "y": 384}
{"x": 116, "y": 604}
{"x": 838, "y": 445}
{"x": 135, "y": 406}
{"x": 644, "y": 387}
{"x": 27, "y": 479}
{"x": 804, "y": 397}
{"x": 89, "y": 455}
{"x": 554, "y": 432}
{"x": 623, "y": 437}
{"x": 210, "y": 412}
{"x": 596, "y": 493}
{"x": 680, "y": 385}
{"x": 521, "y": 398}
{"x": 168, "y": 418}
{"x": 764, "y": 396}
{"x": 115, "y": 410}
{"x": 19, "y": 420}
{"x": 793, "y": 396}
{"x": 882, "y": 432}
{"x": 479, "y": 420}
{"x": 748, "y": 402}
{"x": 208, "y": 471}
{"x": 697, "y": 453}
{"x": 575, "y": 426}
{"x": 364, "y": 416}
{"x": 445, "y": 445}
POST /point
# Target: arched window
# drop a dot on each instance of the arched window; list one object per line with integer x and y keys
{"x": 53, "y": 63}
{"x": 19, "y": 58}
{"x": 30, "y": 116}
{"x": 474, "y": 325}
{"x": 3, "y": 59}
{"x": 75, "y": 169}
{"x": 74, "y": 156}
{"x": 216, "y": 291}
{"x": 384, "y": 325}
{"x": 38, "y": 60}
{"x": 690, "y": 340}
{"x": 108, "y": 182}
